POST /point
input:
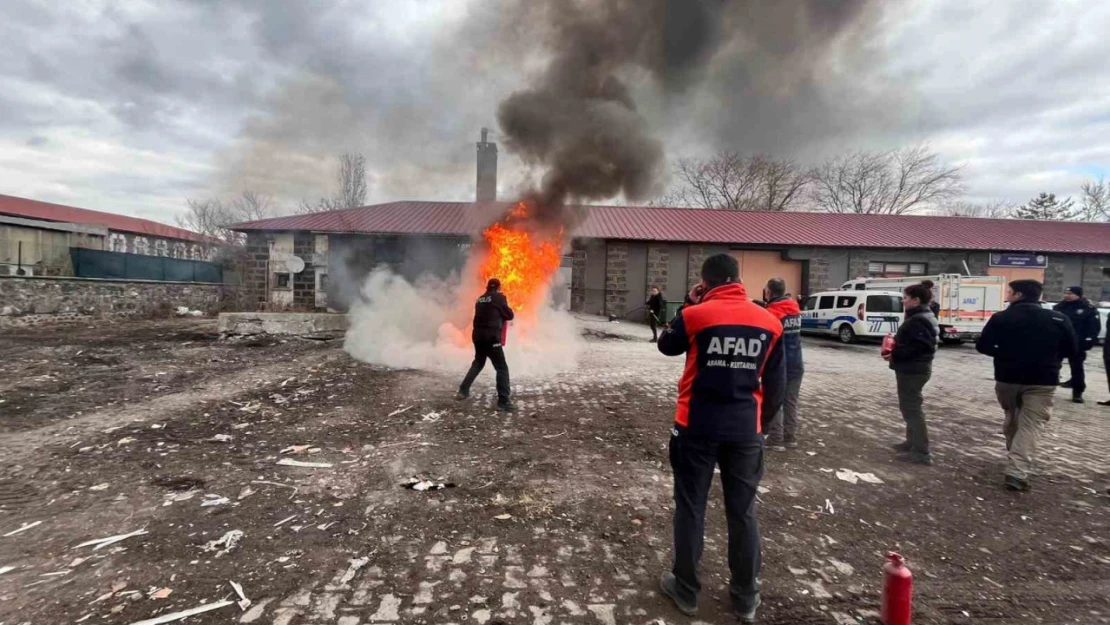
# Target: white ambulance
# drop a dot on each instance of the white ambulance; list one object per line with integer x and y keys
{"x": 966, "y": 302}
{"x": 851, "y": 314}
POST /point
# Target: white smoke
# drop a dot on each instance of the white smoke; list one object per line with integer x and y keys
{"x": 423, "y": 325}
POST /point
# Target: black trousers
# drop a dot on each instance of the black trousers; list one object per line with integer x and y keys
{"x": 653, "y": 321}
{"x": 911, "y": 402}
{"x": 741, "y": 464}
{"x": 496, "y": 354}
{"x": 1078, "y": 375}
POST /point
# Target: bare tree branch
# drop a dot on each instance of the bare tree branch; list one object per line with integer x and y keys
{"x": 351, "y": 177}
{"x": 884, "y": 183}
{"x": 731, "y": 181}
{"x": 1096, "y": 200}
{"x": 995, "y": 209}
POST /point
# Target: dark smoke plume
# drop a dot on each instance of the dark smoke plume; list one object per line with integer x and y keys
{"x": 578, "y": 119}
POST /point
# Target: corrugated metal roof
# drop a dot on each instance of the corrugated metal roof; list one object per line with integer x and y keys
{"x": 724, "y": 227}
{"x": 45, "y": 211}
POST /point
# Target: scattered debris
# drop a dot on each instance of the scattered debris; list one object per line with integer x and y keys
{"x": 285, "y": 520}
{"x": 400, "y": 411}
{"x": 161, "y": 593}
{"x": 243, "y": 602}
{"x": 214, "y": 500}
{"x": 432, "y": 417}
{"x": 179, "y": 616}
{"x": 126, "y": 440}
{"x": 228, "y": 541}
{"x": 178, "y": 483}
{"x": 23, "y": 528}
{"x": 353, "y": 569}
{"x": 829, "y": 507}
{"x": 222, "y": 438}
{"x": 246, "y": 492}
{"x": 414, "y": 483}
{"x": 295, "y": 489}
{"x": 111, "y": 540}
{"x": 295, "y": 449}
{"x": 103, "y": 486}
{"x": 854, "y": 477}
{"x": 183, "y": 311}
{"x": 503, "y": 517}
{"x": 289, "y": 462}
{"x": 555, "y": 435}
{"x": 6, "y": 569}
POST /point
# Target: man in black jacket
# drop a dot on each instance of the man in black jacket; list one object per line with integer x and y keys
{"x": 1106, "y": 364}
{"x": 655, "y": 305}
{"x": 491, "y": 312}
{"x": 912, "y": 362}
{"x": 1085, "y": 321}
{"x": 1028, "y": 344}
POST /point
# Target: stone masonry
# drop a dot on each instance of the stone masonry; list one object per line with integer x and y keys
{"x": 33, "y": 301}
{"x": 658, "y": 257}
{"x": 578, "y": 276}
{"x": 616, "y": 278}
{"x": 304, "y": 283}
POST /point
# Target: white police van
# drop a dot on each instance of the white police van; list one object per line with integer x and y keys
{"x": 849, "y": 315}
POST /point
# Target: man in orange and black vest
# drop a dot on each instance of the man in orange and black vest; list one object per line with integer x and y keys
{"x": 733, "y": 385}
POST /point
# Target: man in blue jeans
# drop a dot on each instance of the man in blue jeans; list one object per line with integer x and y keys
{"x": 733, "y": 384}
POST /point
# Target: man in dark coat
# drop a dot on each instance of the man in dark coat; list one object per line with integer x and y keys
{"x": 655, "y": 305}
{"x": 1085, "y": 321}
{"x": 915, "y": 345}
{"x": 1028, "y": 343}
{"x": 783, "y": 431}
{"x": 1106, "y": 364}
{"x": 491, "y": 313}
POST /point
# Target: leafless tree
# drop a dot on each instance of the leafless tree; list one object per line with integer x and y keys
{"x": 1095, "y": 200}
{"x": 352, "y": 187}
{"x": 884, "y": 183}
{"x": 731, "y": 181}
{"x": 214, "y": 217}
{"x": 994, "y": 209}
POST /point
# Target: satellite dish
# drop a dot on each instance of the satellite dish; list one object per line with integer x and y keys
{"x": 295, "y": 264}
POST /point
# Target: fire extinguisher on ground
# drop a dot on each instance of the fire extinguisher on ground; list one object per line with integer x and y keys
{"x": 897, "y": 591}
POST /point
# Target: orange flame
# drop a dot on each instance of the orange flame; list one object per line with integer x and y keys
{"x": 523, "y": 260}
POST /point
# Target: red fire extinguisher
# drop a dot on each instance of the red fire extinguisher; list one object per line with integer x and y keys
{"x": 897, "y": 591}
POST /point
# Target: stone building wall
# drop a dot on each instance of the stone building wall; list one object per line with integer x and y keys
{"x": 616, "y": 278}
{"x": 39, "y": 300}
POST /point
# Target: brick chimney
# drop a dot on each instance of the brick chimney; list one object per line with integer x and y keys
{"x": 487, "y": 169}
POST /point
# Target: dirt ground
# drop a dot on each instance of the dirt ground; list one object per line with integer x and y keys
{"x": 559, "y": 513}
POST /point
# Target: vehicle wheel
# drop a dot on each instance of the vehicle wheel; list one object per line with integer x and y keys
{"x": 846, "y": 334}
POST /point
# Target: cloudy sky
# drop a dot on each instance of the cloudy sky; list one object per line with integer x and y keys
{"x": 132, "y": 106}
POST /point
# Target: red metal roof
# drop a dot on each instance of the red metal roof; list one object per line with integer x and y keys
{"x": 725, "y": 227}
{"x": 45, "y": 211}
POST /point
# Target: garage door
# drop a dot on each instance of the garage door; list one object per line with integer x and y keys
{"x": 759, "y": 266}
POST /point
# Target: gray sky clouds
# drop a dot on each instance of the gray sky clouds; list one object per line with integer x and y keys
{"x": 131, "y": 106}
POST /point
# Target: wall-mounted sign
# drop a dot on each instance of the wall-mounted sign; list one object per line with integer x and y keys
{"x": 1019, "y": 259}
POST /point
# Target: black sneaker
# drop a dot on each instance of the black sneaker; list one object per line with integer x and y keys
{"x": 1067, "y": 384}
{"x": 1104, "y": 403}
{"x": 903, "y": 447}
{"x": 748, "y": 616}
{"x": 669, "y": 585}
{"x": 1077, "y": 398}
{"x": 791, "y": 443}
{"x": 775, "y": 444}
{"x": 1015, "y": 484}
{"x": 461, "y": 396}
{"x": 506, "y": 407}
{"x": 917, "y": 458}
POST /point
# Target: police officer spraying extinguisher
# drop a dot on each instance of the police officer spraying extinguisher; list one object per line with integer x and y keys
{"x": 731, "y": 388}
{"x": 491, "y": 314}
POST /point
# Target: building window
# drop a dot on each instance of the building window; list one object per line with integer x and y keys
{"x": 142, "y": 246}
{"x": 283, "y": 281}
{"x": 161, "y": 248}
{"x": 179, "y": 250}
{"x": 895, "y": 269}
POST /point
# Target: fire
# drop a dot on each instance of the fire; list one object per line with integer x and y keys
{"x": 525, "y": 261}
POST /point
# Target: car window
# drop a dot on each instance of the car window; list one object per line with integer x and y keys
{"x": 826, "y": 302}
{"x": 811, "y": 304}
{"x": 861, "y": 287}
{"x": 884, "y": 304}
{"x": 845, "y": 301}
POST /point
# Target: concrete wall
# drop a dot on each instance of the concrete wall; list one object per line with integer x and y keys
{"x": 1089, "y": 272}
{"x": 33, "y": 301}
{"x": 43, "y": 251}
